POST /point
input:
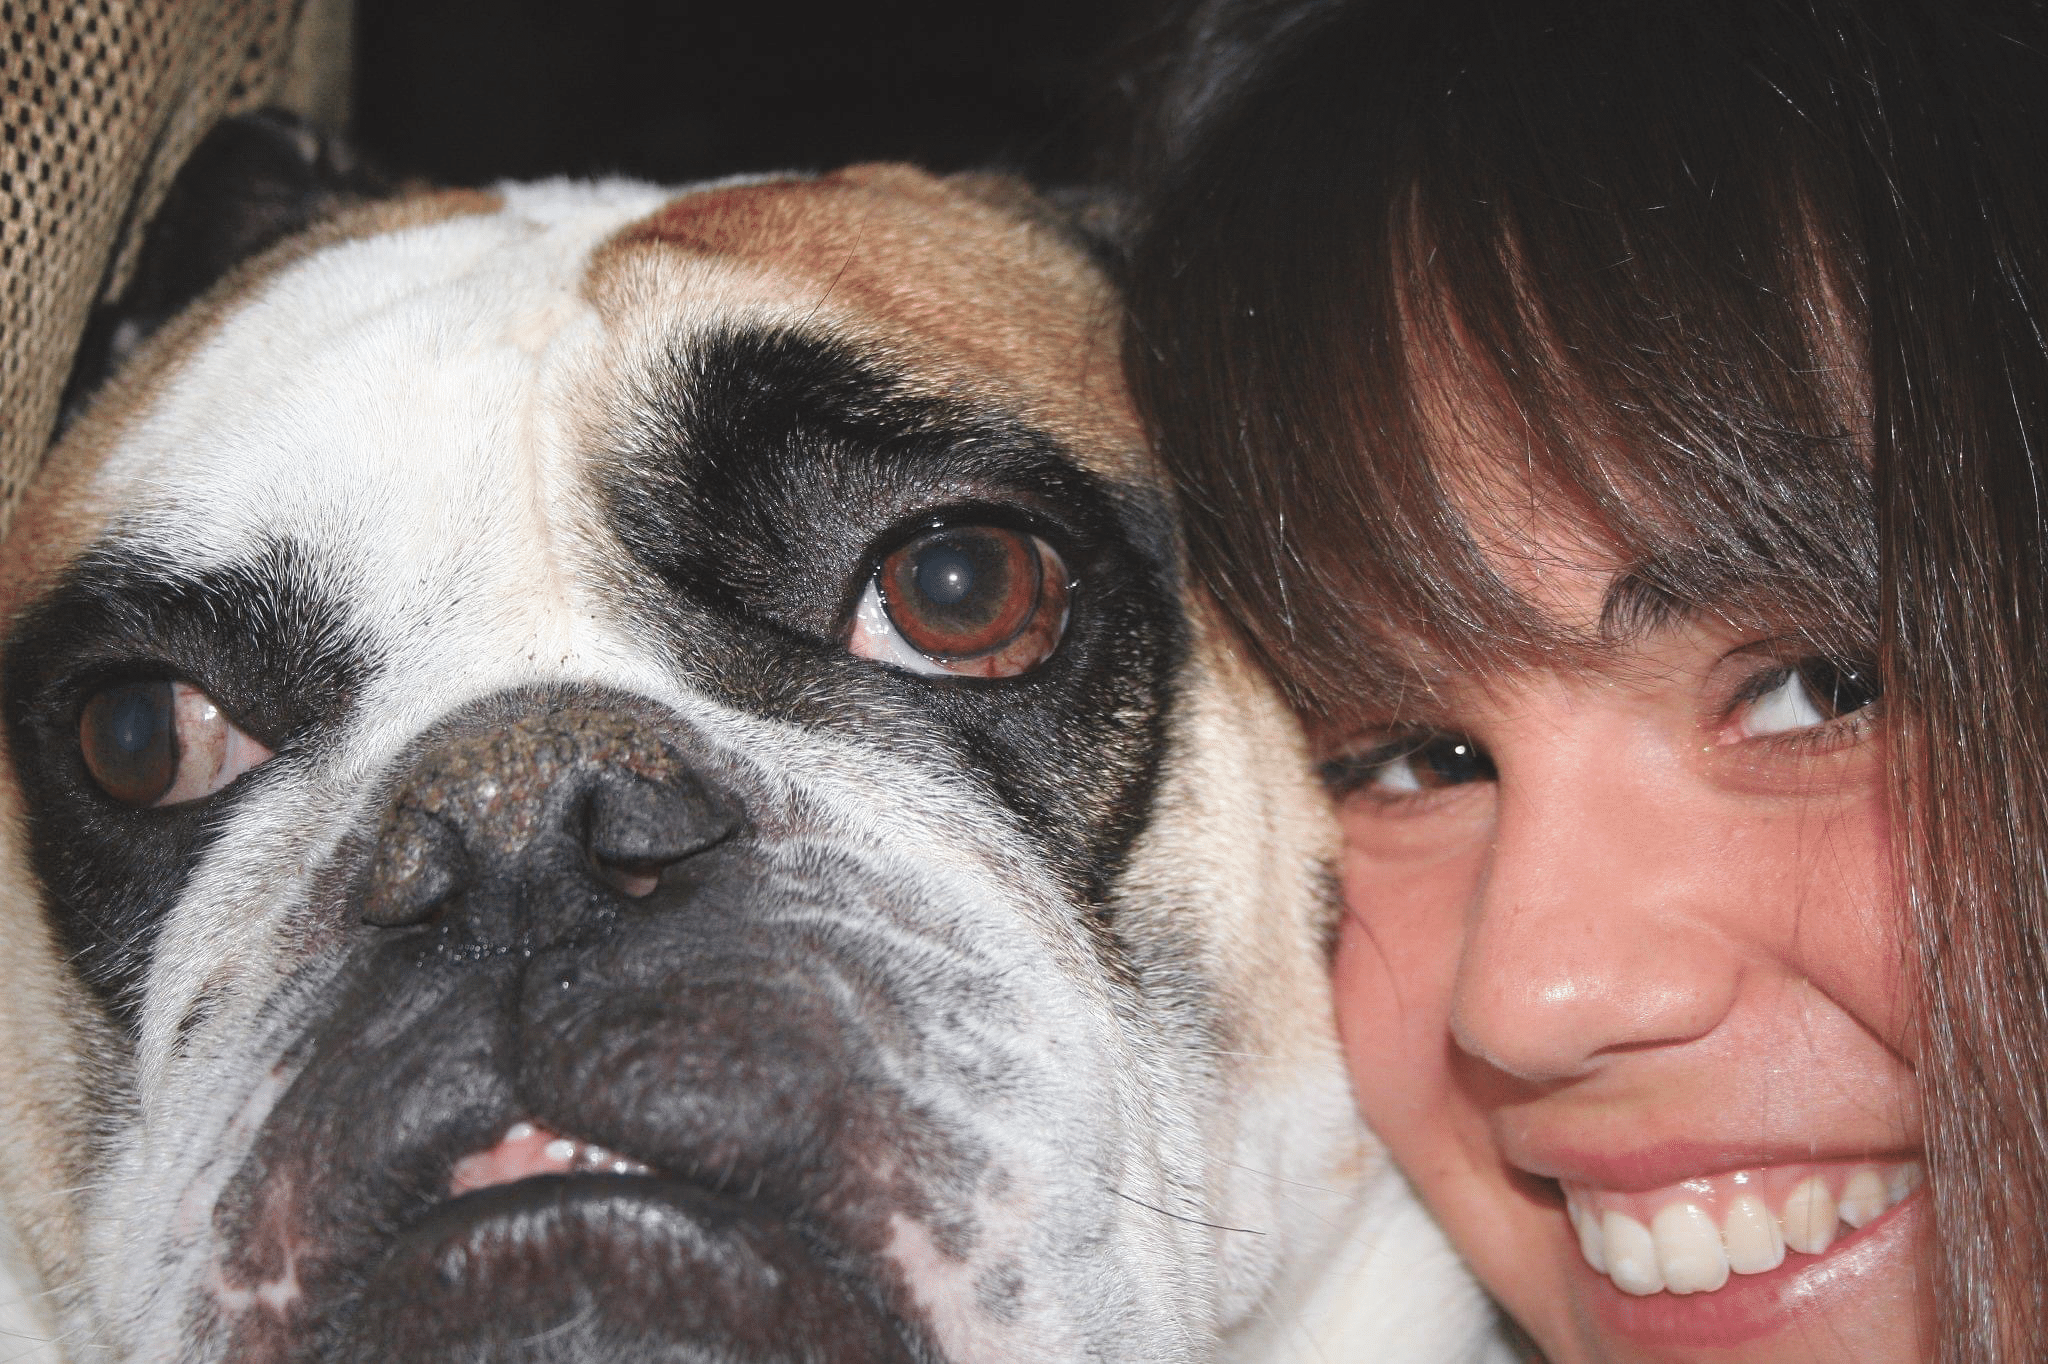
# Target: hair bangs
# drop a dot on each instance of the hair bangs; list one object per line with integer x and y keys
{"x": 1618, "y": 265}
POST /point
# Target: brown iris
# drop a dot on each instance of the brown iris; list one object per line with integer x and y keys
{"x": 983, "y": 601}
{"x": 128, "y": 735}
{"x": 161, "y": 743}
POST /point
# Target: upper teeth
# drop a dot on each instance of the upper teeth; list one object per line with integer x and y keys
{"x": 587, "y": 1156}
{"x": 1688, "y": 1239}
{"x": 527, "y": 1150}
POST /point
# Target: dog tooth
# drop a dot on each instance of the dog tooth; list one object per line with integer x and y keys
{"x": 560, "y": 1149}
{"x": 1753, "y": 1237}
{"x": 519, "y": 1131}
{"x": 1810, "y": 1217}
{"x": 1631, "y": 1255}
{"x": 1863, "y": 1198}
{"x": 1689, "y": 1251}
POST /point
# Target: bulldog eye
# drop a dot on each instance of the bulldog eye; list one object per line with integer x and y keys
{"x": 964, "y": 601}
{"x": 161, "y": 743}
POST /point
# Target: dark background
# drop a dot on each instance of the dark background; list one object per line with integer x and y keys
{"x": 464, "y": 92}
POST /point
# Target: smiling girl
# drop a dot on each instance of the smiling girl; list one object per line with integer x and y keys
{"x": 1620, "y": 426}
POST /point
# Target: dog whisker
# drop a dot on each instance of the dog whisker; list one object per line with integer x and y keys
{"x": 1182, "y": 1217}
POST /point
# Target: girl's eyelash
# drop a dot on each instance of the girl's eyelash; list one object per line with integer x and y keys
{"x": 1842, "y": 681}
{"x": 1440, "y": 761}
{"x": 1350, "y": 772}
{"x": 1818, "y": 739}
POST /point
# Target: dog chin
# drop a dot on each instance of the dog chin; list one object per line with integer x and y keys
{"x": 589, "y": 1267}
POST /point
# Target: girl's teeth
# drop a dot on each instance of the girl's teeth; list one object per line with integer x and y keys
{"x": 1631, "y": 1255}
{"x": 1863, "y": 1198}
{"x": 1755, "y": 1241}
{"x": 1689, "y": 1249}
{"x": 1592, "y": 1240}
{"x": 1809, "y": 1217}
{"x": 1684, "y": 1249}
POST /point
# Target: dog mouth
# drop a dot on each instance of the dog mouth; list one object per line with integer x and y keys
{"x": 540, "y": 1235}
{"x": 558, "y": 1254}
{"x": 598, "y": 1176}
{"x": 543, "y": 1245}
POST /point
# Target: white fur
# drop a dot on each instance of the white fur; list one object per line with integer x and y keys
{"x": 26, "y": 1336}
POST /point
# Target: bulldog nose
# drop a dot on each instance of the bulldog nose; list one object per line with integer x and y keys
{"x": 516, "y": 830}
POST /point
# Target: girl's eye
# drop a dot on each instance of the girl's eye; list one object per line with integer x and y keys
{"x": 965, "y": 601}
{"x": 1803, "y": 695}
{"x": 1409, "y": 766}
{"x": 161, "y": 743}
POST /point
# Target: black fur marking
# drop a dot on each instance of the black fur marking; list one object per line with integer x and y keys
{"x": 767, "y": 476}
{"x": 279, "y": 659}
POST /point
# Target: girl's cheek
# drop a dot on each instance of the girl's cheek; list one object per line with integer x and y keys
{"x": 1393, "y": 975}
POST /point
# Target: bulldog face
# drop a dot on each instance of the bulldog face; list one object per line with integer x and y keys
{"x": 598, "y": 774}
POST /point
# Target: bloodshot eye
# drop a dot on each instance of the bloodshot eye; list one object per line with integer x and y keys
{"x": 161, "y": 743}
{"x": 965, "y": 601}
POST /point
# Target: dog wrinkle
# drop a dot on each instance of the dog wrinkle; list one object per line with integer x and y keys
{"x": 58, "y": 515}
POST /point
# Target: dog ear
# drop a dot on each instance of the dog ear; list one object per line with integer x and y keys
{"x": 252, "y": 181}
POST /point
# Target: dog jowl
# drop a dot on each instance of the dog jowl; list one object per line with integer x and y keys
{"x": 598, "y": 773}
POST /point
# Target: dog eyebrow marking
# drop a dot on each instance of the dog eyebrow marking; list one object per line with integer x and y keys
{"x": 759, "y": 450}
{"x": 261, "y": 636}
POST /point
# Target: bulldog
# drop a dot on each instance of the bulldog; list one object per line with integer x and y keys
{"x": 598, "y": 772}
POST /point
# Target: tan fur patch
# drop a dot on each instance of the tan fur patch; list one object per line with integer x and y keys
{"x": 983, "y": 303}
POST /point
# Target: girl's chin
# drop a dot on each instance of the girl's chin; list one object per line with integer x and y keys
{"x": 1865, "y": 1300}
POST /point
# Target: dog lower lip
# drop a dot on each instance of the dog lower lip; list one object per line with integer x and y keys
{"x": 614, "y": 1267}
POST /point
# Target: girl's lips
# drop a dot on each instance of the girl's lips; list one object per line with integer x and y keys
{"x": 1646, "y": 1169}
{"x": 1868, "y": 1266}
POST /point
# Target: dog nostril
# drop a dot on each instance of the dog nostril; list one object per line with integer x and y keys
{"x": 635, "y": 827}
{"x": 422, "y": 866}
{"x": 634, "y": 880}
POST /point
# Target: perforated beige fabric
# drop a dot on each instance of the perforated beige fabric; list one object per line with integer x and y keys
{"x": 102, "y": 101}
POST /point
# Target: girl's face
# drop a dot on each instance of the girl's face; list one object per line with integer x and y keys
{"x": 1620, "y": 985}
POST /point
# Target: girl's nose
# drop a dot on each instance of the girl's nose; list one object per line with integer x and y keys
{"x": 1598, "y": 927}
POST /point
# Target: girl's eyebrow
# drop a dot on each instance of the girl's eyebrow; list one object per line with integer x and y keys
{"x": 1636, "y": 605}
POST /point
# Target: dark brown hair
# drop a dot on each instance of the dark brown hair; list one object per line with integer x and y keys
{"x": 1758, "y": 285}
